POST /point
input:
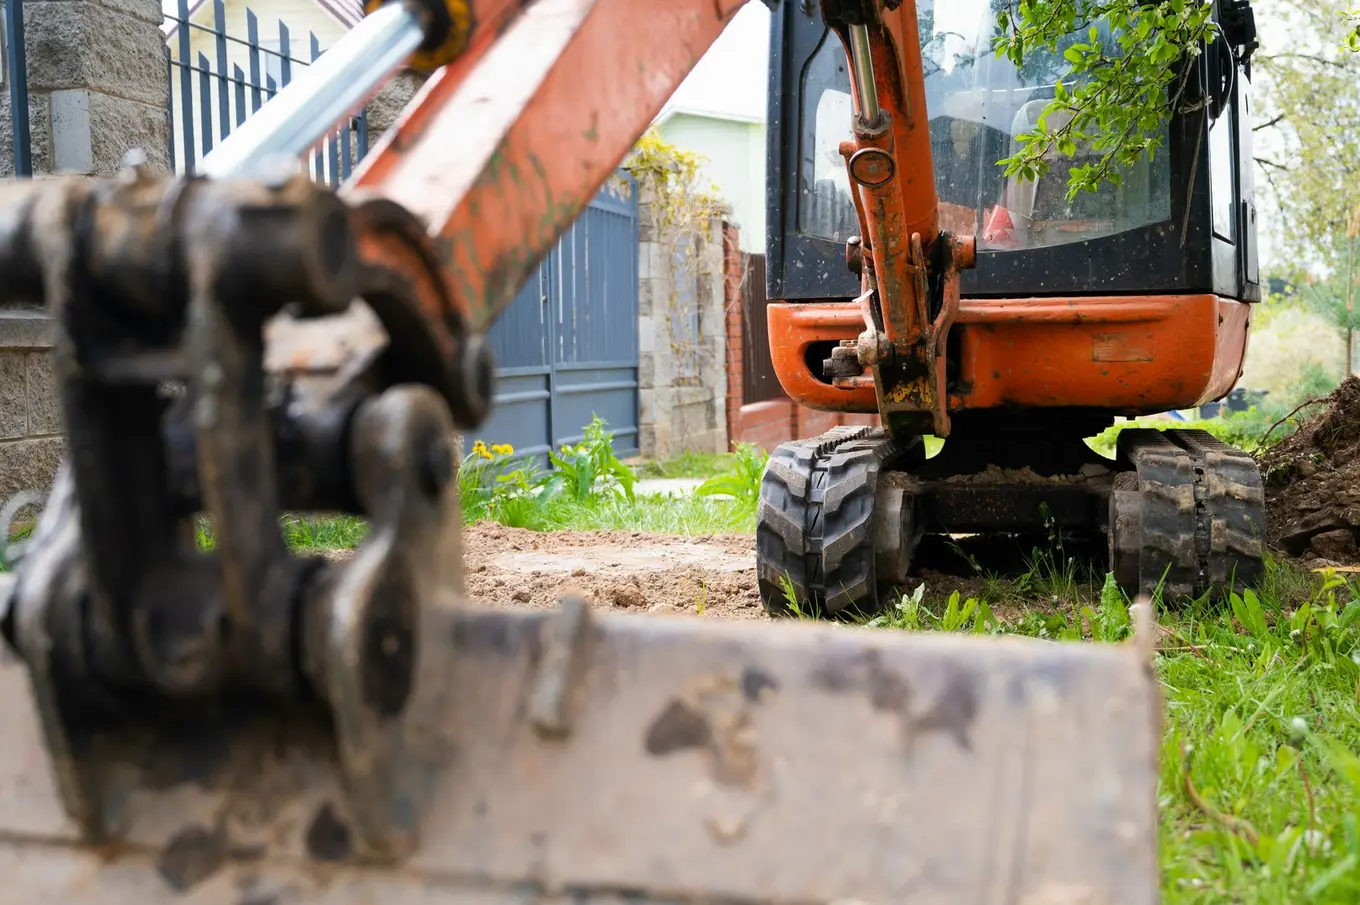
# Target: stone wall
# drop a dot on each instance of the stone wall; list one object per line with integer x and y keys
{"x": 31, "y": 445}
{"x": 97, "y": 88}
{"x": 682, "y": 379}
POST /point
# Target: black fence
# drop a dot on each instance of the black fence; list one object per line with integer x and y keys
{"x": 211, "y": 95}
{"x": 211, "y": 92}
{"x": 17, "y": 74}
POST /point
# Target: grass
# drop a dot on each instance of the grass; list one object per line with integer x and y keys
{"x": 687, "y": 465}
{"x": 672, "y": 514}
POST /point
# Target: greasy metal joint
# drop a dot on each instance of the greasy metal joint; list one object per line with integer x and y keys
{"x": 844, "y": 362}
{"x": 962, "y": 251}
{"x": 153, "y": 280}
{"x": 873, "y": 349}
{"x": 872, "y": 167}
{"x": 854, "y": 255}
{"x": 403, "y": 282}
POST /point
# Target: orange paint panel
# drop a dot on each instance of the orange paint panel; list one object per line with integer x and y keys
{"x": 1234, "y": 328}
{"x": 792, "y": 329}
{"x": 1145, "y": 354}
{"x": 1135, "y": 345}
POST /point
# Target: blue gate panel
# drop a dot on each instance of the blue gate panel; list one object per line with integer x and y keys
{"x": 519, "y": 415}
{"x": 520, "y": 336}
{"x": 584, "y": 391}
{"x": 567, "y": 346}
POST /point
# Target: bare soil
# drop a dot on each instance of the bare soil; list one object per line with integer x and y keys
{"x": 1312, "y": 483}
{"x": 630, "y": 571}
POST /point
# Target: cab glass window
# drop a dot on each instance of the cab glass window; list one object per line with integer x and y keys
{"x": 979, "y": 104}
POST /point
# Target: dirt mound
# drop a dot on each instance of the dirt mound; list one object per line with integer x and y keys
{"x": 632, "y": 571}
{"x": 1312, "y": 483}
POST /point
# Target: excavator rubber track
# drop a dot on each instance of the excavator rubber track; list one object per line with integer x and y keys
{"x": 1187, "y": 516}
{"x": 815, "y": 524}
{"x": 1184, "y": 515}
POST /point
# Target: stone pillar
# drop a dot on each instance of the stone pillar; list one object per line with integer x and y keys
{"x": 31, "y": 445}
{"x": 679, "y": 413}
{"x": 97, "y": 87}
{"x": 388, "y": 103}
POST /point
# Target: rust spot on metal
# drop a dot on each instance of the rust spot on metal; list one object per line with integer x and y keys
{"x": 887, "y": 690}
{"x": 757, "y": 685}
{"x": 328, "y": 838}
{"x": 954, "y": 711}
{"x": 676, "y": 728}
{"x": 864, "y": 672}
{"x": 194, "y": 854}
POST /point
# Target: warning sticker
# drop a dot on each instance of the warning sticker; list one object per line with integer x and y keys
{"x": 1121, "y": 347}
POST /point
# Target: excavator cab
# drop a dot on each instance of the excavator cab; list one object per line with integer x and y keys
{"x": 1055, "y": 318}
{"x": 1182, "y": 222}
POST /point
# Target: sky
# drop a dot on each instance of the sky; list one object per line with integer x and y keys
{"x": 732, "y": 77}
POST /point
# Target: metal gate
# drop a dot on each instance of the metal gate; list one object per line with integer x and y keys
{"x": 567, "y": 347}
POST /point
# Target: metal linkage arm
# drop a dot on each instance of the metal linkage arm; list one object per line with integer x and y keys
{"x": 909, "y": 268}
{"x": 113, "y": 607}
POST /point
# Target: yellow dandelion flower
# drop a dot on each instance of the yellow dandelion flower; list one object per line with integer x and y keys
{"x": 503, "y": 449}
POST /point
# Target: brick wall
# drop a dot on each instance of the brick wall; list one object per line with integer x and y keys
{"x": 771, "y": 422}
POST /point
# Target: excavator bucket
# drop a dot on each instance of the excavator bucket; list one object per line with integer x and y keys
{"x": 594, "y": 758}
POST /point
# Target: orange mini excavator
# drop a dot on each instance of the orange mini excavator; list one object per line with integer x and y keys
{"x": 915, "y": 280}
{"x": 248, "y": 725}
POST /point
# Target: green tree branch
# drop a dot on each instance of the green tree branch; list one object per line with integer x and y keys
{"x": 1126, "y": 76}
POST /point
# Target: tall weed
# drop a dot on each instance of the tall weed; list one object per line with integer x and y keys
{"x": 742, "y": 481}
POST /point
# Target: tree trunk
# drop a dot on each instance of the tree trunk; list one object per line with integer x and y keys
{"x": 1350, "y": 292}
{"x": 1352, "y": 233}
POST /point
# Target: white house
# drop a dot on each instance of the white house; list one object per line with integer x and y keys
{"x": 719, "y": 111}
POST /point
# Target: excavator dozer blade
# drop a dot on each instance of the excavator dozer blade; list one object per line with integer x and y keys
{"x": 596, "y": 758}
